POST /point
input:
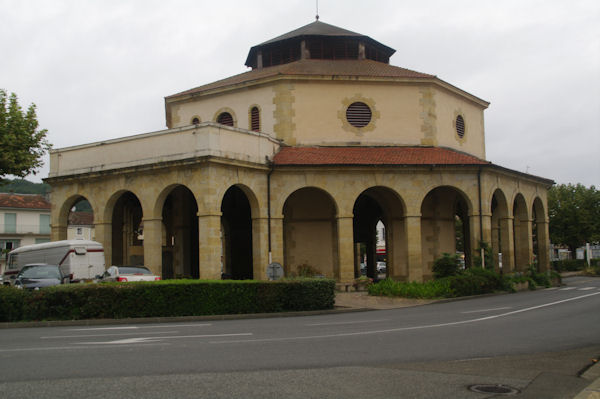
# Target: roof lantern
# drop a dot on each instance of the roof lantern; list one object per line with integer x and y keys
{"x": 317, "y": 40}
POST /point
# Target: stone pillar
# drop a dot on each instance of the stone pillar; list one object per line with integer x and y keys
{"x": 414, "y": 247}
{"x": 210, "y": 246}
{"x": 103, "y": 233}
{"x": 345, "y": 228}
{"x": 153, "y": 245}
{"x": 260, "y": 248}
{"x": 523, "y": 245}
{"x": 507, "y": 244}
{"x": 277, "y": 240}
{"x": 58, "y": 232}
{"x": 543, "y": 246}
{"x": 474, "y": 238}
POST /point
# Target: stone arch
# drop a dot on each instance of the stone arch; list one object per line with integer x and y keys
{"x": 65, "y": 212}
{"x": 236, "y": 233}
{"x": 522, "y": 233}
{"x": 310, "y": 233}
{"x": 502, "y": 247}
{"x": 374, "y": 207}
{"x": 124, "y": 210}
{"x": 446, "y": 226}
{"x": 179, "y": 238}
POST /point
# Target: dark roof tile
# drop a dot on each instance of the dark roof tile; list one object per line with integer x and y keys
{"x": 305, "y": 156}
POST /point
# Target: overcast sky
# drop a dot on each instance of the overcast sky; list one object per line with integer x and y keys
{"x": 100, "y": 69}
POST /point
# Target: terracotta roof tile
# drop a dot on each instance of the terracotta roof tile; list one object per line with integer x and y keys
{"x": 23, "y": 201}
{"x": 338, "y": 68}
{"x": 81, "y": 218}
{"x": 373, "y": 156}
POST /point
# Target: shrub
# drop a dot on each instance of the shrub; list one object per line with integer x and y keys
{"x": 429, "y": 289}
{"x": 165, "y": 298}
{"x": 568, "y": 265}
{"x": 447, "y": 265}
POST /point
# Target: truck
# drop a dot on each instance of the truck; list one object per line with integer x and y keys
{"x": 80, "y": 260}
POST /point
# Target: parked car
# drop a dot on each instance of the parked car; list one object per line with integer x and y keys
{"x": 36, "y": 276}
{"x": 128, "y": 273}
{"x": 381, "y": 267}
{"x": 81, "y": 260}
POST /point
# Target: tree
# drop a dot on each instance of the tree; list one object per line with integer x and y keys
{"x": 574, "y": 213}
{"x": 22, "y": 143}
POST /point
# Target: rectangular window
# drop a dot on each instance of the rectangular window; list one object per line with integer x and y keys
{"x": 79, "y": 231}
{"x": 41, "y": 240}
{"x": 44, "y": 224}
{"x": 10, "y": 222}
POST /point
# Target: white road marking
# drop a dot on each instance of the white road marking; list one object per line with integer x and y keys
{"x": 586, "y": 288}
{"x": 567, "y": 288}
{"x": 62, "y": 348}
{"x": 346, "y": 322}
{"x": 454, "y": 323}
{"x": 138, "y": 327}
{"x": 105, "y": 335}
{"x": 486, "y": 310}
{"x": 153, "y": 339}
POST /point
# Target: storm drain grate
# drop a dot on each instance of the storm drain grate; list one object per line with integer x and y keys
{"x": 494, "y": 388}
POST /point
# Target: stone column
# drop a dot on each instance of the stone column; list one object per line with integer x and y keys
{"x": 414, "y": 247}
{"x": 543, "y": 246}
{"x": 508, "y": 244}
{"x": 210, "y": 246}
{"x": 103, "y": 233}
{"x": 495, "y": 244}
{"x": 345, "y": 228}
{"x": 277, "y": 240}
{"x": 153, "y": 245}
{"x": 523, "y": 245}
{"x": 474, "y": 239}
{"x": 260, "y": 248}
{"x": 58, "y": 232}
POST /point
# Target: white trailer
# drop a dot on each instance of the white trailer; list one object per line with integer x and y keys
{"x": 79, "y": 259}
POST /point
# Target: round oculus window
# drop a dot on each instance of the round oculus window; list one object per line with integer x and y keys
{"x": 460, "y": 126}
{"x": 358, "y": 114}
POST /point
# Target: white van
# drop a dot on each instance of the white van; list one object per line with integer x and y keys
{"x": 79, "y": 259}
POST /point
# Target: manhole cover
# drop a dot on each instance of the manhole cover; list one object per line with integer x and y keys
{"x": 494, "y": 388}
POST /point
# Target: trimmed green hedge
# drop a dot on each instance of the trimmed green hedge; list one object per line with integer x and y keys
{"x": 165, "y": 298}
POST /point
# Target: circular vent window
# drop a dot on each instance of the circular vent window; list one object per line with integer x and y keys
{"x": 460, "y": 126}
{"x": 358, "y": 114}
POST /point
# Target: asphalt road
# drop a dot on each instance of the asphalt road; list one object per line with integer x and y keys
{"x": 534, "y": 341}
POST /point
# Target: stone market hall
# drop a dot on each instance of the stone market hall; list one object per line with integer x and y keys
{"x": 296, "y": 161}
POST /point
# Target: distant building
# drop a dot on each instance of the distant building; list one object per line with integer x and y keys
{"x": 296, "y": 161}
{"x": 24, "y": 220}
{"x": 81, "y": 226}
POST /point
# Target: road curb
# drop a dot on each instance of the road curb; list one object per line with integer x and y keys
{"x": 592, "y": 391}
{"x": 159, "y": 320}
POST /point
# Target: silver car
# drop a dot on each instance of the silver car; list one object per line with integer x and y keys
{"x": 128, "y": 273}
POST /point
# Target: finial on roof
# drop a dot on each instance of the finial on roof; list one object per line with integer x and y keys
{"x": 317, "y": 16}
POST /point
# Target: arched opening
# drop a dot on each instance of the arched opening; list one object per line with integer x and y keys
{"x": 500, "y": 233}
{"x": 225, "y": 118}
{"x": 310, "y": 233}
{"x": 521, "y": 233}
{"x": 236, "y": 227}
{"x": 445, "y": 227}
{"x": 379, "y": 237}
{"x": 127, "y": 231}
{"x": 538, "y": 234}
{"x": 80, "y": 221}
{"x": 255, "y": 119}
{"x": 180, "y": 235}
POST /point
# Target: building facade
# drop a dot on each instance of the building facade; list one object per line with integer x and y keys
{"x": 296, "y": 161}
{"x": 24, "y": 220}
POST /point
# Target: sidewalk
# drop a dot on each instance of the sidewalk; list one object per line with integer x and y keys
{"x": 361, "y": 300}
{"x": 593, "y": 390}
